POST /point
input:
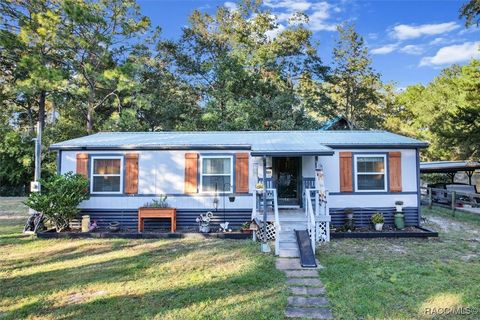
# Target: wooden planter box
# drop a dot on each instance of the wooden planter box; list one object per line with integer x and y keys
{"x": 148, "y": 213}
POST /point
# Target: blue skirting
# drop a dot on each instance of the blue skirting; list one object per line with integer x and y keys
{"x": 185, "y": 218}
{"x": 361, "y": 216}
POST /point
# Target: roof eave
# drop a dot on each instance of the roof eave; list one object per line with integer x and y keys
{"x": 152, "y": 147}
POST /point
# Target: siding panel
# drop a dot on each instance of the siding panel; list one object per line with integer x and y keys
{"x": 362, "y": 216}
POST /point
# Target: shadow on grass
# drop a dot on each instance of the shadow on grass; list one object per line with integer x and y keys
{"x": 246, "y": 296}
{"x": 257, "y": 288}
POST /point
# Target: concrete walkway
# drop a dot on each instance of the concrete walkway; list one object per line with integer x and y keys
{"x": 307, "y": 294}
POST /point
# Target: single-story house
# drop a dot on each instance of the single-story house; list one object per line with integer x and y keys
{"x": 366, "y": 171}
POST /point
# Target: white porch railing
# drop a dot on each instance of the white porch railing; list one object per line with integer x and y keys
{"x": 318, "y": 216}
{"x": 258, "y": 214}
{"x": 277, "y": 222}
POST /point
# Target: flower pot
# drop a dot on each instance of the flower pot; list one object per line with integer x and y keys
{"x": 114, "y": 226}
{"x": 245, "y": 231}
{"x": 399, "y": 208}
{"x": 399, "y": 221}
{"x": 204, "y": 229}
{"x": 378, "y": 226}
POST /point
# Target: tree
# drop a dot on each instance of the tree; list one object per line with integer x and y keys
{"x": 31, "y": 46}
{"x": 471, "y": 12}
{"x": 445, "y": 113}
{"x": 354, "y": 84}
{"x": 245, "y": 69}
{"x": 100, "y": 36}
{"x": 462, "y": 128}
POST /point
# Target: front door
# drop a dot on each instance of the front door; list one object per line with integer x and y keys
{"x": 286, "y": 178}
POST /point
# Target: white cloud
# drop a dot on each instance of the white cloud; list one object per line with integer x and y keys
{"x": 389, "y": 48}
{"x": 272, "y": 34}
{"x": 232, "y": 6}
{"x": 453, "y": 54}
{"x": 321, "y": 12}
{"x": 290, "y": 5}
{"x": 412, "y": 49}
{"x": 404, "y": 31}
{"x": 317, "y": 12}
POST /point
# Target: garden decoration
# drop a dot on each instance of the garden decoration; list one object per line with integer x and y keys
{"x": 399, "y": 217}
{"x": 203, "y": 221}
{"x": 349, "y": 224}
{"x": 399, "y": 205}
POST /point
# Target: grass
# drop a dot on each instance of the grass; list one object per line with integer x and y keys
{"x": 133, "y": 279}
{"x": 405, "y": 278}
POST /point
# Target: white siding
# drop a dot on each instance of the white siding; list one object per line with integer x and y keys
{"x": 160, "y": 172}
{"x": 332, "y": 170}
{"x": 308, "y": 166}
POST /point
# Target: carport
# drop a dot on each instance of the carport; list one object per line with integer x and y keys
{"x": 450, "y": 168}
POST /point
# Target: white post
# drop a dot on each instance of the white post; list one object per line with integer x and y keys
{"x": 38, "y": 153}
{"x": 265, "y": 248}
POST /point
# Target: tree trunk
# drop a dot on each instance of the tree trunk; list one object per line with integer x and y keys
{"x": 90, "y": 119}
{"x": 41, "y": 108}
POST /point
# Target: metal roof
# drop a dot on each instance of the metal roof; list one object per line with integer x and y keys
{"x": 448, "y": 166}
{"x": 259, "y": 142}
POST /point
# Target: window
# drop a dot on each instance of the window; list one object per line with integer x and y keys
{"x": 106, "y": 175}
{"x": 216, "y": 174}
{"x": 370, "y": 173}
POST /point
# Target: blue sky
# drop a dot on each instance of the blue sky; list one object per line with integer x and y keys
{"x": 410, "y": 41}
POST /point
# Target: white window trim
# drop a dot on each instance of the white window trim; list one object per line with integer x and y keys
{"x": 92, "y": 159}
{"x": 384, "y": 156}
{"x": 200, "y": 188}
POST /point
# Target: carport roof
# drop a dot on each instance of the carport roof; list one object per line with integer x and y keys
{"x": 448, "y": 166}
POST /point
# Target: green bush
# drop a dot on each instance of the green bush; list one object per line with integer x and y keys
{"x": 59, "y": 197}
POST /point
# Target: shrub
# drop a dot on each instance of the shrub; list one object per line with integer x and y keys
{"x": 59, "y": 198}
{"x": 377, "y": 218}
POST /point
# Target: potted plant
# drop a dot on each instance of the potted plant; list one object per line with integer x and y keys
{"x": 399, "y": 205}
{"x": 349, "y": 213}
{"x": 259, "y": 186}
{"x": 245, "y": 228}
{"x": 203, "y": 221}
{"x": 378, "y": 220}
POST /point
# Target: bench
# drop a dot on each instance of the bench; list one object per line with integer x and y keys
{"x": 147, "y": 213}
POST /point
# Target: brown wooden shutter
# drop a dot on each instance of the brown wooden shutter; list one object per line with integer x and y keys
{"x": 395, "y": 171}
{"x": 346, "y": 168}
{"x": 241, "y": 172}
{"x": 191, "y": 172}
{"x": 131, "y": 173}
{"x": 82, "y": 164}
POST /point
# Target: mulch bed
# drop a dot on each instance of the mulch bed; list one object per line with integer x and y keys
{"x": 131, "y": 234}
{"x": 387, "y": 232}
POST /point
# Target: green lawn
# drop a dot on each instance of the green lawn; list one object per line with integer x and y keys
{"x": 403, "y": 278}
{"x": 133, "y": 279}
{"x": 221, "y": 279}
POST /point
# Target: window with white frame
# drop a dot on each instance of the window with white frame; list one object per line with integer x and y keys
{"x": 106, "y": 174}
{"x": 370, "y": 173}
{"x": 216, "y": 174}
